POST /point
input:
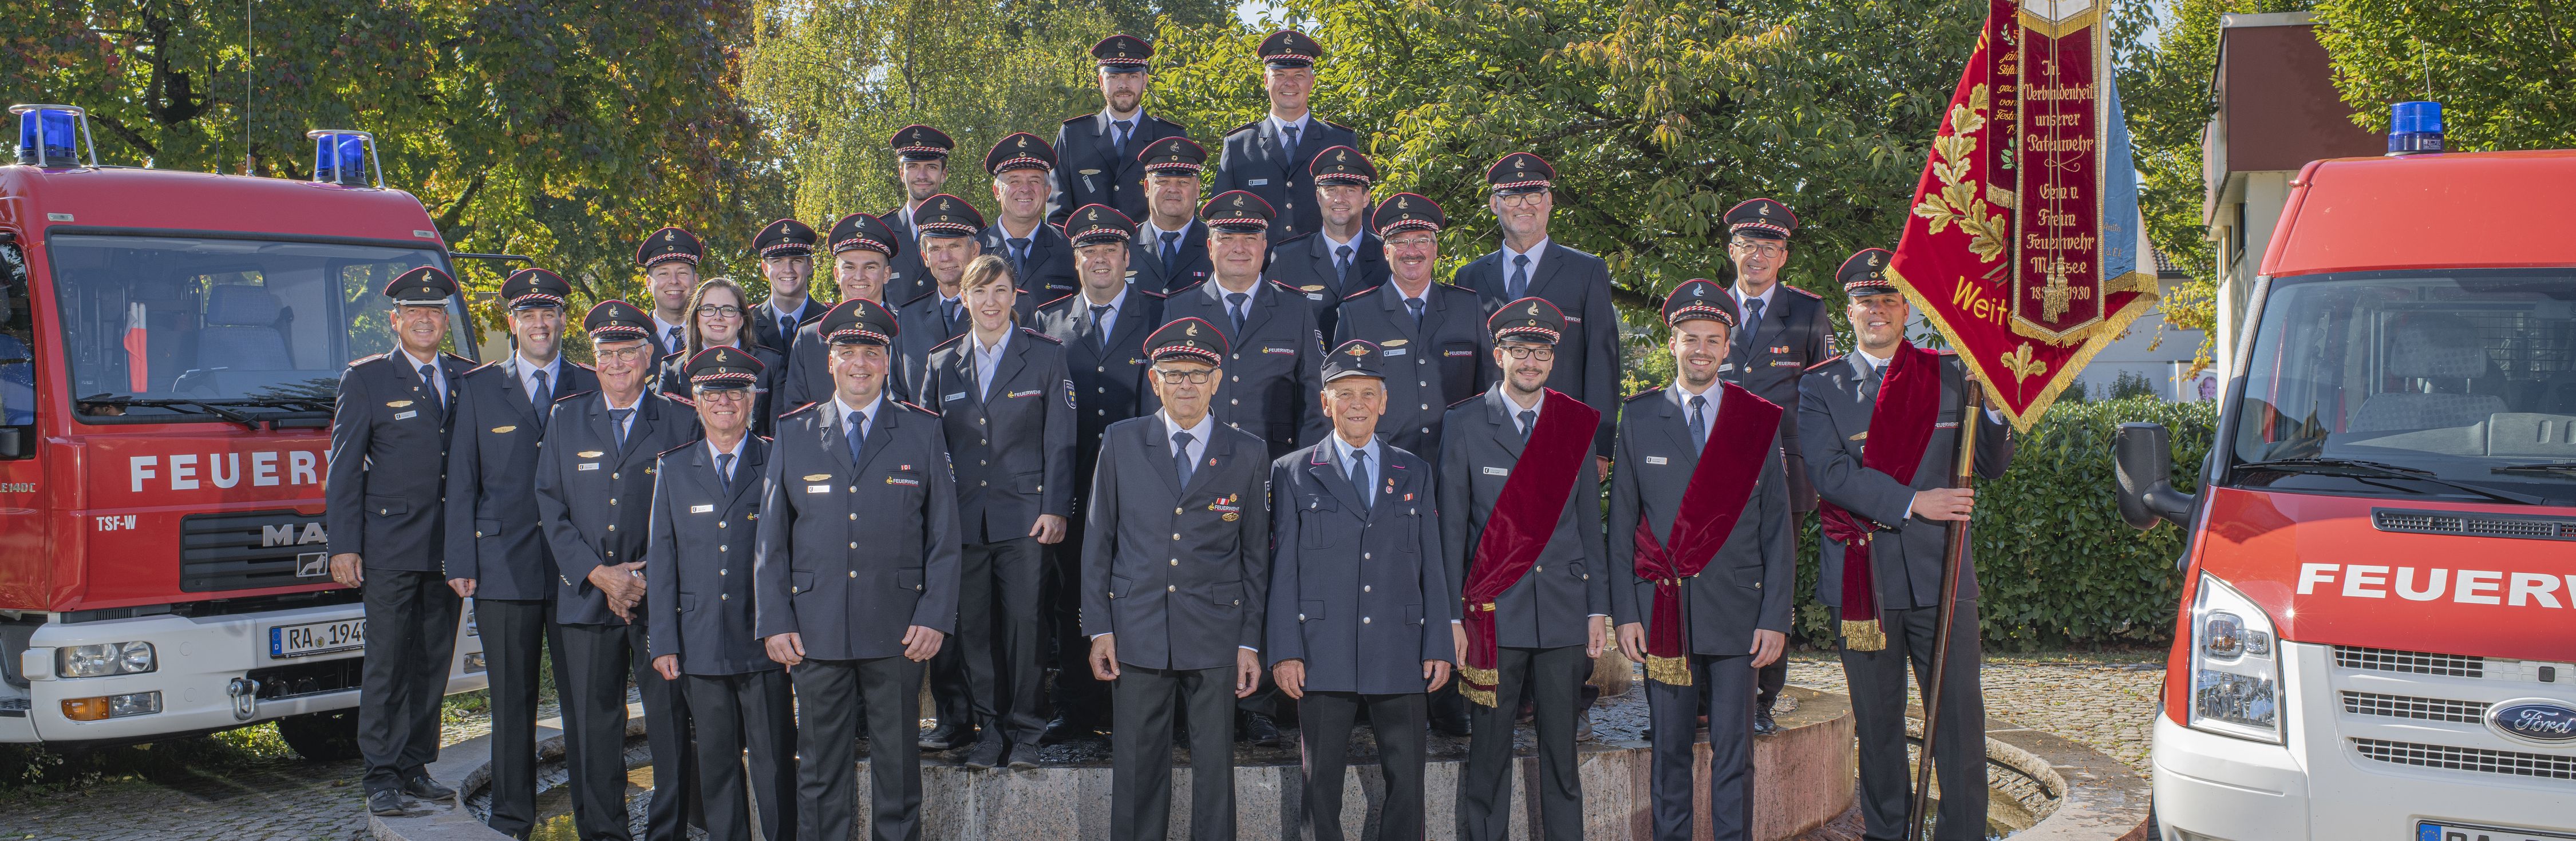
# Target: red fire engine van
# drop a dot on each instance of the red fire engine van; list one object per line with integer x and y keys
{"x": 170, "y": 348}
{"x": 2377, "y": 634}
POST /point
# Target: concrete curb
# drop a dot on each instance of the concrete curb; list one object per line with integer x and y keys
{"x": 467, "y": 765}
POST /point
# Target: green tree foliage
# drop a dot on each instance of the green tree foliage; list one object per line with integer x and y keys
{"x": 2505, "y": 72}
{"x": 564, "y": 131}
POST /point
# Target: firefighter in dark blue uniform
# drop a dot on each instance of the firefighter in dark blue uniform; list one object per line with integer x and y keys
{"x": 1170, "y": 250}
{"x": 1024, "y": 173}
{"x": 1430, "y": 336}
{"x": 863, "y": 253}
{"x": 1097, "y": 153}
{"x": 944, "y": 236}
{"x": 1268, "y": 157}
{"x": 1274, "y": 370}
{"x": 786, "y": 251}
{"x": 921, "y": 161}
{"x": 1341, "y": 258}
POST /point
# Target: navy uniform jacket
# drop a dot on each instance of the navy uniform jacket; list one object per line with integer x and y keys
{"x": 808, "y": 374}
{"x": 1447, "y": 358}
{"x": 852, "y": 554}
{"x": 688, "y": 567}
{"x": 1479, "y": 446}
{"x": 1275, "y": 369}
{"x": 764, "y": 330}
{"x": 1048, "y": 274}
{"x": 1768, "y": 359}
{"x": 1587, "y": 356}
{"x": 493, "y": 532}
{"x": 1307, "y": 264}
{"x": 388, "y": 475}
{"x": 1012, "y": 440}
{"x": 1190, "y": 264}
{"x": 1351, "y": 588}
{"x": 764, "y": 402}
{"x": 1256, "y": 160}
{"x": 907, "y": 277}
{"x": 1833, "y": 424}
{"x": 925, "y": 326}
{"x": 1090, "y": 170}
{"x": 1108, "y": 377}
{"x": 1181, "y": 590}
{"x": 1751, "y": 581}
{"x": 596, "y": 500}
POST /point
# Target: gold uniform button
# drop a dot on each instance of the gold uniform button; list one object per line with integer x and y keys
{"x": 612, "y": 475}
{"x": 1364, "y": 620}
{"x": 722, "y": 548}
{"x": 1364, "y": 556}
{"x": 720, "y": 572}
{"x": 1171, "y": 589}
{"x": 1176, "y": 510}
{"x": 1176, "y": 562}
{"x": 854, "y": 573}
{"x": 1176, "y": 537}
{"x": 1537, "y": 568}
{"x": 854, "y": 544}
{"x": 1364, "y": 588}
{"x": 612, "y": 527}
{"x": 720, "y": 524}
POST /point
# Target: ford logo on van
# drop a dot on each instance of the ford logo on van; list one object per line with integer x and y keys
{"x": 2539, "y": 721}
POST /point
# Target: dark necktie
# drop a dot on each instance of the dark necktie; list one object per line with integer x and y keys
{"x": 541, "y": 398}
{"x": 1529, "y": 422}
{"x": 1125, "y": 127}
{"x": 724, "y": 470}
{"x": 1342, "y": 266}
{"x": 1752, "y": 320}
{"x": 948, "y": 314}
{"x": 1171, "y": 250}
{"x": 1236, "y": 299}
{"x": 1520, "y": 277}
{"x": 1099, "y": 336}
{"x": 854, "y": 427}
{"x": 1020, "y": 256}
{"x": 672, "y": 345}
{"x": 429, "y": 383}
{"x": 1869, "y": 384}
{"x": 1292, "y": 136}
{"x": 1181, "y": 456}
{"x": 1360, "y": 475}
{"x": 617, "y": 424}
{"x": 1415, "y": 304}
{"x": 786, "y": 329}
{"x": 1699, "y": 423}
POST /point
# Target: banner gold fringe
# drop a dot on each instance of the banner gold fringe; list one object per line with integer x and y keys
{"x": 1469, "y": 678}
{"x": 1863, "y": 635}
{"x": 1669, "y": 671}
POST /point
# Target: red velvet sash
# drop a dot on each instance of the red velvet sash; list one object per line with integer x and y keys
{"x": 1525, "y": 517}
{"x": 1900, "y": 427}
{"x": 1738, "y": 444}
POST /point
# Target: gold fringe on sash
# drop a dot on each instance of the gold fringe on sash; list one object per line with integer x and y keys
{"x": 1470, "y": 678}
{"x": 1863, "y": 635}
{"x": 1669, "y": 671}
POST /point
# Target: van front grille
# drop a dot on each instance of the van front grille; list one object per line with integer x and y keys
{"x": 2406, "y": 706}
{"x": 2469, "y": 759}
{"x": 2466, "y": 525}
{"x": 2415, "y": 662}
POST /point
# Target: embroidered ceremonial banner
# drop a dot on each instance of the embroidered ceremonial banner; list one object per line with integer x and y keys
{"x": 1712, "y": 504}
{"x": 1900, "y": 428}
{"x": 1524, "y": 519}
{"x": 2022, "y": 246}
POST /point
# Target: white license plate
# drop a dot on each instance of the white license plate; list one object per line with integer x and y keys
{"x": 316, "y": 638}
{"x": 2447, "y": 831}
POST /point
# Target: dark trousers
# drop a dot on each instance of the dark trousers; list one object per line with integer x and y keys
{"x": 411, "y": 645}
{"x": 827, "y": 729}
{"x": 1878, "y": 715}
{"x": 1326, "y": 742}
{"x": 732, "y": 714}
{"x": 1000, "y": 647}
{"x": 1767, "y": 682}
{"x": 1725, "y": 685}
{"x": 1447, "y": 708}
{"x": 601, "y": 660}
{"x": 515, "y": 634}
{"x": 1140, "y": 751}
{"x": 1079, "y": 697}
{"x": 1553, "y": 677}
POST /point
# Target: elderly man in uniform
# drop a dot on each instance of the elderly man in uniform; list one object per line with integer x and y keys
{"x": 1341, "y": 258}
{"x": 594, "y": 484}
{"x": 1102, "y": 149}
{"x": 738, "y": 698}
{"x": 1529, "y": 265}
{"x": 1103, "y": 330}
{"x": 1171, "y": 247}
{"x": 851, "y": 622}
{"x": 1176, "y": 621}
{"x": 389, "y": 440}
{"x": 1521, "y": 526}
{"x": 921, "y": 163}
{"x": 1881, "y": 426}
{"x": 1268, "y": 157}
{"x": 1041, "y": 261}
{"x": 863, "y": 251}
{"x": 669, "y": 258}
{"x": 786, "y": 249}
{"x": 1700, "y": 490}
{"x": 1340, "y": 616}
{"x": 496, "y": 548}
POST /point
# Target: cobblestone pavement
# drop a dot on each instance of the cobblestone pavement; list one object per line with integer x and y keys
{"x": 2109, "y": 706}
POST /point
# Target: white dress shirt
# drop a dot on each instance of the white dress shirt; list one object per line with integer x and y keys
{"x": 1305, "y": 127}
{"x": 867, "y": 416}
{"x": 1503, "y": 390}
{"x": 1681, "y": 395}
{"x": 1108, "y": 317}
{"x": 1744, "y": 316}
{"x": 723, "y": 467}
{"x": 1536, "y": 251}
{"x": 528, "y": 370}
{"x": 437, "y": 374}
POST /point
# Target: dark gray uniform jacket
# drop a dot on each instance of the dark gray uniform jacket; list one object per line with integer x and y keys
{"x": 1048, "y": 273}
{"x": 1480, "y": 445}
{"x": 1276, "y": 367}
{"x": 1751, "y": 581}
{"x": 388, "y": 471}
{"x": 1833, "y": 422}
{"x": 850, "y": 555}
{"x": 1186, "y": 602}
{"x": 1447, "y": 358}
{"x": 765, "y": 332}
{"x": 764, "y": 402}
{"x": 907, "y": 277}
{"x": 494, "y": 535}
{"x": 925, "y": 325}
{"x": 1587, "y": 356}
{"x": 1190, "y": 264}
{"x": 1011, "y": 440}
{"x": 1256, "y": 160}
{"x": 1108, "y": 377}
{"x": 688, "y": 572}
{"x": 1796, "y": 332}
{"x": 1091, "y": 170}
{"x": 595, "y": 499}
{"x": 1306, "y": 263}
{"x": 1362, "y": 594}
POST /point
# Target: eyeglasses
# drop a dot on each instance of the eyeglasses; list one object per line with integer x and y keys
{"x": 1413, "y": 242}
{"x": 1518, "y": 199}
{"x": 724, "y": 395}
{"x": 719, "y": 310}
{"x": 1766, "y": 249}
{"x": 1543, "y": 354}
{"x": 1179, "y": 377}
{"x": 625, "y": 355}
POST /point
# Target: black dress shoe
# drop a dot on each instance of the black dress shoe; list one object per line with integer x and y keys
{"x": 421, "y": 786}
{"x": 385, "y": 802}
{"x": 1763, "y": 725}
{"x": 1452, "y": 727}
{"x": 1024, "y": 758}
{"x": 1063, "y": 730}
{"x": 1259, "y": 729}
{"x": 988, "y": 753}
{"x": 1583, "y": 726}
{"x": 946, "y": 736}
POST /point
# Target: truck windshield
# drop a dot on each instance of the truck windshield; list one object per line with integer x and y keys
{"x": 153, "y": 324}
{"x": 2441, "y": 384}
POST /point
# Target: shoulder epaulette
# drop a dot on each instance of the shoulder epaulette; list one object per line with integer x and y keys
{"x": 1033, "y": 333}
{"x": 890, "y": 212}
{"x": 1476, "y": 396}
{"x": 934, "y": 292}
{"x": 679, "y": 399}
{"x": 1057, "y": 300}
{"x": 677, "y": 354}
{"x": 678, "y": 448}
{"x": 792, "y": 412}
{"x": 1243, "y": 127}
{"x": 1057, "y": 227}
{"x": 764, "y": 438}
{"x": 366, "y": 359}
{"x": 1298, "y": 238}
{"x": 1810, "y": 295}
{"x": 1812, "y": 368}
{"x": 1079, "y": 118}
{"x": 1153, "y": 294}
{"x": 1642, "y": 395}
{"x": 1945, "y": 352}
{"x": 1161, "y": 120}
{"x": 1283, "y": 285}
{"x": 909, "y": 405}
{"x": 1355, "y": 295}
{"x": 456, "y": 357}
{"x": 812, "y": 319}
{"x": 579, "y": 365}
{"x": 479, "y": 368}
{"x": 1186, "y": 287}
{"x": 1333, "y": 124}
{"x": 951, "y": 340}
{"x": 576, "y": 394}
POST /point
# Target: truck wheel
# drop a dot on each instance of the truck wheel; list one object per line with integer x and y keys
{"x": 322, "y": 737}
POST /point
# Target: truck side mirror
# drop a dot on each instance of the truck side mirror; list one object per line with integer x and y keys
{"x": 2142, "y": 455}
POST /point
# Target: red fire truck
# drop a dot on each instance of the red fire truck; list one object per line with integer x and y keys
{"x": 2377, "y": 635}
{"x": 170, "y": 347}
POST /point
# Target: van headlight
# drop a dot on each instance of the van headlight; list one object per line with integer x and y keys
{"x": 2235, "y": 665}
{"x": 102, "y": 660}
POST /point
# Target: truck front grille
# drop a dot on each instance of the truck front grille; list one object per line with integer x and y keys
{"x": 2416, "y": 662}
{"x": 316, "y": 678}
{"x": 2453, "y": 522}
{"x": 249, "y": 550}
{"x": 2469, "y": 759}
{"x": 2407, "y": 706}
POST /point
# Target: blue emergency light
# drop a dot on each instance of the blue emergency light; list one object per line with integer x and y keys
{"x": 50, "y": 135}
{"x": 2414, "y": 128}
{"x": 343, "y": 156}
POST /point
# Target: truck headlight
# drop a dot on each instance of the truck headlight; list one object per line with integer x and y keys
{"x": 2235, "y": 667}
{"x": 104, "y": 659}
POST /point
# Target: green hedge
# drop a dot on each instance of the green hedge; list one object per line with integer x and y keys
{"x": 2057, "y": 565}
